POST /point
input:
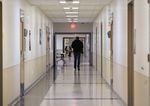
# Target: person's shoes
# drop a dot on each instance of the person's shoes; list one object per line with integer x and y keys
{"x": 78, "y": 69}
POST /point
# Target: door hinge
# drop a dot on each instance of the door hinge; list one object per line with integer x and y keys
{"x": 148, "y": 57}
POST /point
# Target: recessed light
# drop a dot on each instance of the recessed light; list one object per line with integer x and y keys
{"x": 71, "y": 16}
{"x": 75, "y": 8}
{"x": 62, "y": 2}
{"x": 75, "y": 2}
{"x": 75, "y": 19}
{"x": 66, "y": 8}
{"x": 69, "y": 19}
{"x": 71, "y": 12}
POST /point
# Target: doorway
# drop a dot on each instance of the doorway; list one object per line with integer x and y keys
{"x": 101, "y": 49}
{"x": 67, "y": 42}
{"x": 22, "y": 49}
{"x": 96, "y": 49}
{"x": 1, "y": 57}
{"x": 111, "y": 54}
{"x": 59, "y": 48}
{"x": 131, "y": 51}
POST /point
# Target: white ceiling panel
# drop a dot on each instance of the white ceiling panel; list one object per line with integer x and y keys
{"x": 88, "y": 9}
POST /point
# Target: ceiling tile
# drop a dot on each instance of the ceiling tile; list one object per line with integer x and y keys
{"x": 88, "y": 9}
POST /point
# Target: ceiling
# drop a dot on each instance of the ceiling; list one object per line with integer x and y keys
{"x": 87, "y": 12}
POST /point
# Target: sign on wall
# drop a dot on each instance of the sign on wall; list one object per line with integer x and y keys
{"x": 29, "y": 40}
{"x": 40, "y": 36}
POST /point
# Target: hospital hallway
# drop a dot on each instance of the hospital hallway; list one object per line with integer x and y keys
{"x": 72, "y": 88}
{"x": 39, "y": 40}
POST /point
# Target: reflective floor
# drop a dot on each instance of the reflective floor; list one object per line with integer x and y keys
{"x": 72, "y": 88}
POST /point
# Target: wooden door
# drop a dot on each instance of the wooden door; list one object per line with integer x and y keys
{"x": 22, "y": 47}
{"x": 131, "y": 54}
{"x": 1, "y": 57}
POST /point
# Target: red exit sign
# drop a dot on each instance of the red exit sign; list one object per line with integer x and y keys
{"x": 73, "y": 26}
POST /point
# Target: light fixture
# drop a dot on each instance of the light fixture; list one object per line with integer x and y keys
{"x": 69, "y": 19}
{"x": 75, "y": 19}
{"x": 75, "y": 2}
{"x": 75, "y": 8}
{"x": 71, "y": 16}
{"x": 66, "y": 8}
{"x": 71, "y": 12}
{"x": 62, "y": 2}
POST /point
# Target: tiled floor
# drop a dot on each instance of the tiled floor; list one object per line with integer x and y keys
{"x": 72, "y": 88}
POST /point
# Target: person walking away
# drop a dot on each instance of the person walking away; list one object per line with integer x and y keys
{"x": 77, "y": 46}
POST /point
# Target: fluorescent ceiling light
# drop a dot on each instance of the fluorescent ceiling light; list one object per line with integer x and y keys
{"x": 75, "y": 19}
{"x": 71, "y": 12}
{"x": 69, "y": 19}
{"x": 66, "y": 8}
{"x": 75, "y": 2}
{"x": 62, "y": 2}
{"x": 75, "y": 8}
{"x": 71, "y": 16}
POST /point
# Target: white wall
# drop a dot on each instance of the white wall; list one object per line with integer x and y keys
{"x": 80, "y": 27}
{"x": 34, "y": 20}
{"x": 141, "y": 16}
{"x": 142, "y": 36}
{"x": 59, "y": 42}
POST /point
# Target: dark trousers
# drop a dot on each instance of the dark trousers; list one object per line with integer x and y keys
{"x": 77, "y": 60}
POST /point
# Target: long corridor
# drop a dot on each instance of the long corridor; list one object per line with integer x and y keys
{"x": 72, "y": 88}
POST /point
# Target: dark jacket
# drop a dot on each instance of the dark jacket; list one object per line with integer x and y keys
{"x": 77, "y": 46}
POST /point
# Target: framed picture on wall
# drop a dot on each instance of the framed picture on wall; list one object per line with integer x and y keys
{"x": 40, "y": 36}
{"x": 25, "y": 38}
{"x": 25, "y": 32}
{"x": 29, "y": 40}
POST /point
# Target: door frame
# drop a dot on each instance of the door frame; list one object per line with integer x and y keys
{"x": 130, "y": 53}
{"x": 1, "y": 55}
{"x": 54, "y": 47}
{"x": 54, "y": 57}
{"x": 111, "y": 54}
{"x": 22, "y": 49}
{"x": 102, "y": 49}
{"x": 149, "y": 51}
{"x": 96, "y": 48}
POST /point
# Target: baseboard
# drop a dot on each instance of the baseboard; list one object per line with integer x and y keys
{"x": 120, "y": 98}
{"x": 17, "y": 99}
{"x": 35, "y": 83}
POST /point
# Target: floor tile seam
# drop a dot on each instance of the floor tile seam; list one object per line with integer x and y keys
{"x": 81, "y": 83}
{"x": 93, "y": 75}
{"x": 81, "y": 99}
{"x": 83, "y": 75}
{"x": 98, "y": 84}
